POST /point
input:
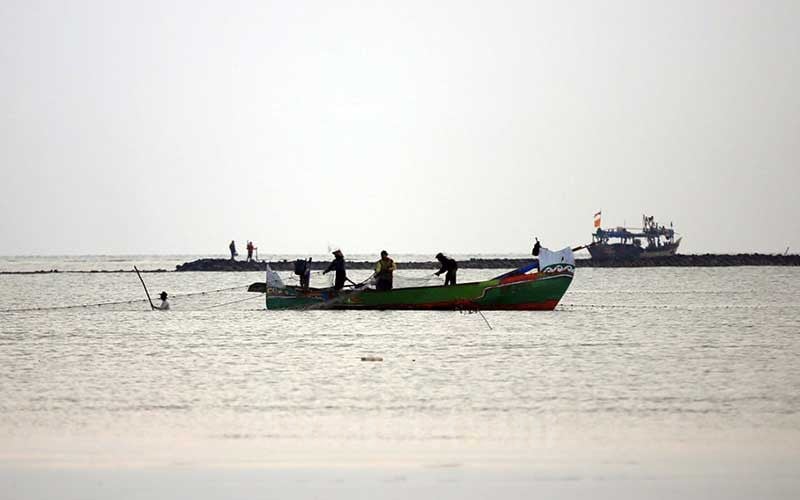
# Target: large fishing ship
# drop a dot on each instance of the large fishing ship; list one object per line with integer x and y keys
{"x": 627, "y": 243}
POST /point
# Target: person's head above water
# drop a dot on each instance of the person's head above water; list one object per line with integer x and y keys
{"x": 163, "y": 295}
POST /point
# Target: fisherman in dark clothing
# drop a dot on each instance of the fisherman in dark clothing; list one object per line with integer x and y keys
{"x": 302, "y": 268}
{"x": 337, "y": 265}
{"x": 305, "y": 279}
{"x": 535, "y": 252}
{"x": 449, "y": 266}
{"x": 232, "y": 248}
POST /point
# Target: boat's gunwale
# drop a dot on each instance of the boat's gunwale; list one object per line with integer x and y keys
{"x": 363, "y": 290}
{"x": 489, "y": 282}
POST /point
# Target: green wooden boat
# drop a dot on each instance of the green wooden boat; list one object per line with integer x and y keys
{"x": 520, "y": 289}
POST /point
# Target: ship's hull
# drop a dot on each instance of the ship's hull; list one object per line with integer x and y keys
{"x": 662, "y": 251}
{"x": 527, "y": 292}
{"x": 624, "y": 251}
{"x": 615, "y": 251}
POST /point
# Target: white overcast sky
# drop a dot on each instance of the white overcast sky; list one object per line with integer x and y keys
{"x": 469, "y": 127}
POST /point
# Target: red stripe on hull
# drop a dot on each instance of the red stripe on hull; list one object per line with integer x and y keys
{"x": 547, "y": 305}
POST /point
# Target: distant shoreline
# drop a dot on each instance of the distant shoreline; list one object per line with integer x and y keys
{"x": 693, "y": 260}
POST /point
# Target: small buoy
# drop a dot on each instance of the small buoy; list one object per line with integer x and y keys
{"x": 371, "y": 358}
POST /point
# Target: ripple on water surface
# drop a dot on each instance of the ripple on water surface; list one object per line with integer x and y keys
{"x": 652, "y": 352}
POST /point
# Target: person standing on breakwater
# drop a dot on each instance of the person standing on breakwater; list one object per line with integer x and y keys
{"x": 449, "y": 266}
{"x": 384, "y": 272}
{"x": 337, "y": 265}
{"x": 250, "y": 249}
{"x": 164, "y": 306}
{"x": 232, "y": 248}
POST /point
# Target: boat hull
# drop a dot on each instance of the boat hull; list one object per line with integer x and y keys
{"x": 536, "y": 292}
{"x": 615, "y": 251}
{"x": 627, "y": 251}
{"x": 662, "y": 251}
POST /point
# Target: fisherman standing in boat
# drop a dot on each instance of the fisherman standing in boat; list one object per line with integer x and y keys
{"x": 535, "y": 252}
{"x": 337, "y": 265}
{"x": 449, "y": 266}
{"x": 164, "y": 306}
{"x": 384, "y": 272}
{"x": 302, "y": 268}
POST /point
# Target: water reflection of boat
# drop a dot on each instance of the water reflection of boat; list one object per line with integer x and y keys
{"x": 537, "y": 286}
{"x": 623, "y": 243}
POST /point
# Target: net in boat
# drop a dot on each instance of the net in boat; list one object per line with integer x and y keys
{"x": 408, "y": 280}
{"x": 404, "y": 279}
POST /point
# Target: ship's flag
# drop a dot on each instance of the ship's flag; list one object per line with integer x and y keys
{"x": 597, "y": 219}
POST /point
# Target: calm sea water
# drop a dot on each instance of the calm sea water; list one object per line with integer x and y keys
{"x": 687, "y": 376}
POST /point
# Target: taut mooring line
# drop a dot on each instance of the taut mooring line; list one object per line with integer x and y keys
{"x": 486, "y": 320}
{"x": 231, "y": 302}
{"x": 114, "y": 303}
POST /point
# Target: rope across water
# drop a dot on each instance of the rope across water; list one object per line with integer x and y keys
{"x": 565, "y": 307}
{"x": 122, "y": 302}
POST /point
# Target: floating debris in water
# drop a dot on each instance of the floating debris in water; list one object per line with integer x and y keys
{"x": 371, "y": 358}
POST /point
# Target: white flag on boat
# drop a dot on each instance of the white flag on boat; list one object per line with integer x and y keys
{"x": 549, "y": 260}
{"x": 274, "y": 279}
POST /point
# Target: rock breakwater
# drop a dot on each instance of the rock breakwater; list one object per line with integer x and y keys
{"x": 695, "y": 260}
{"x": 700, "y": 260}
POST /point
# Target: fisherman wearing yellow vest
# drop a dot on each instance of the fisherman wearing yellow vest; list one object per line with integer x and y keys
{"x": 384, "y": 270}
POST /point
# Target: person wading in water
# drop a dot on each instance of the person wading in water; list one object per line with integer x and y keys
{"x": 164, "y": 306}
{"x": 384, "y": 272}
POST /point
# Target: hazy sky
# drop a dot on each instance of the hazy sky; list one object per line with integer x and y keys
{"x": 174, "y": 127}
